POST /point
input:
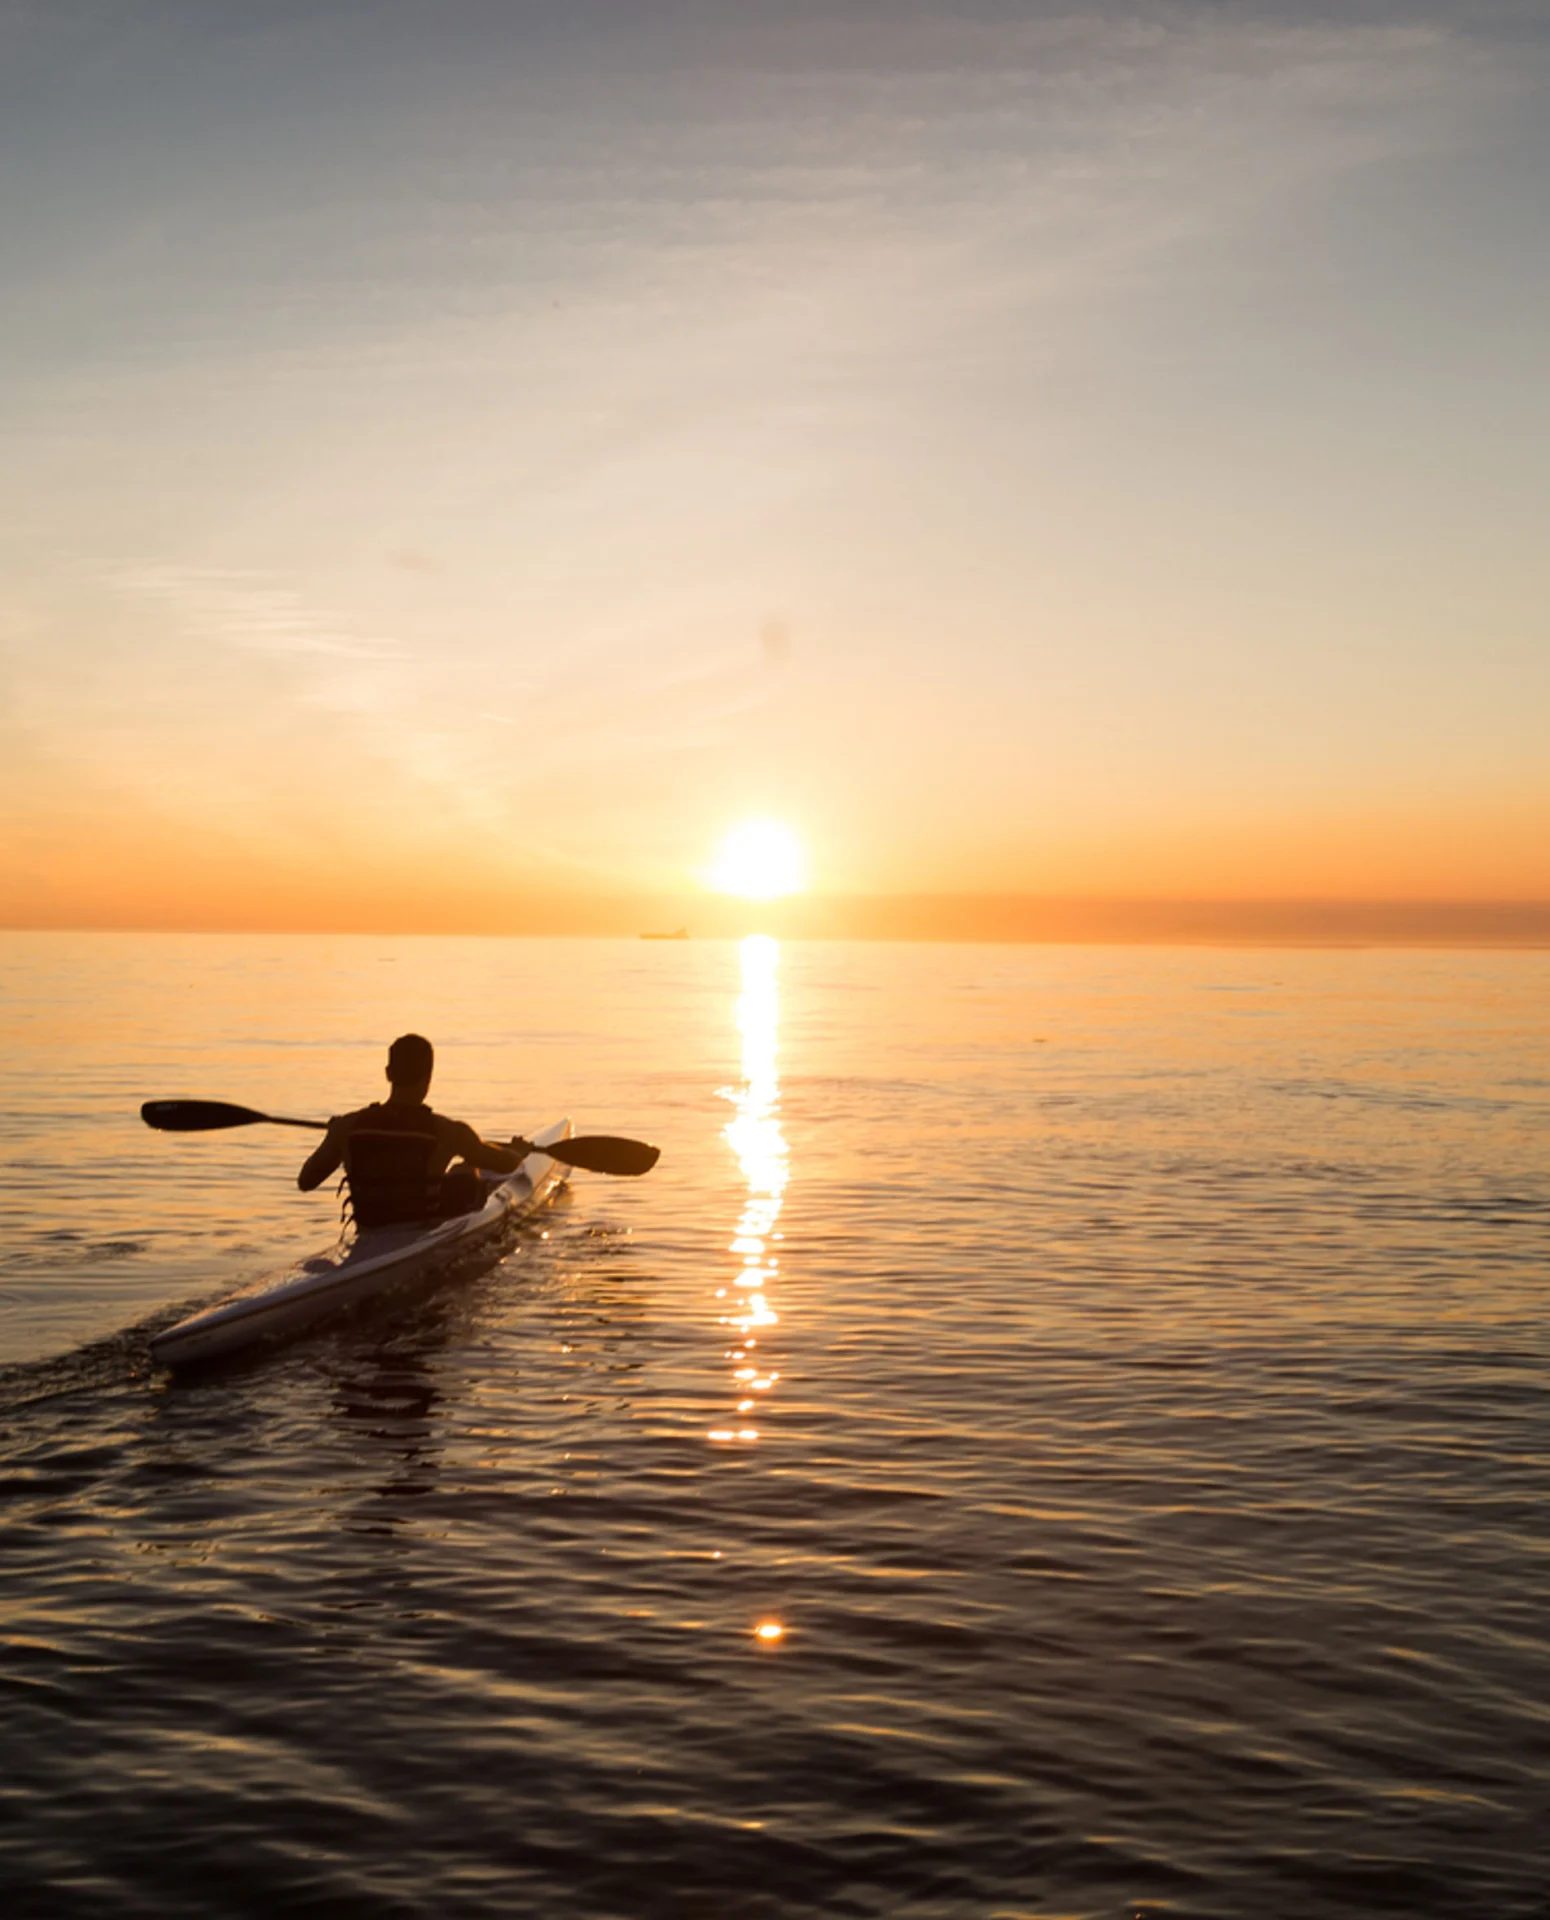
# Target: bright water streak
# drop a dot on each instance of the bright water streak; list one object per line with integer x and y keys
{"x": 1147, "y": 1514}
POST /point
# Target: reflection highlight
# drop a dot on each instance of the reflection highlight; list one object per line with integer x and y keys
{"x": 754, "y": 1135}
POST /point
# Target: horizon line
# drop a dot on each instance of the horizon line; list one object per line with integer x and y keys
{"x": 968, "y": 919}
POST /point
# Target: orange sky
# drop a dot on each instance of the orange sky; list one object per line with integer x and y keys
{"x": 453, "y": 473}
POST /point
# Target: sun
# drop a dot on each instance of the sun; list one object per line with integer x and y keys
{"x": 759, "y": 860}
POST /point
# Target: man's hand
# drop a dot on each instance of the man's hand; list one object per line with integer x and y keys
{"x": 520, "y": 1147}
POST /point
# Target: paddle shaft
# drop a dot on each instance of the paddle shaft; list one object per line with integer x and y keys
{"x": 594, "y": 1153}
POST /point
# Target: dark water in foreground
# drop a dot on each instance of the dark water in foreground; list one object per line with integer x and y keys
{"x": 1121, "y": 1376}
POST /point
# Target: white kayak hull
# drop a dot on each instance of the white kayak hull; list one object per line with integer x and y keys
{"x": 359, "y": 1268}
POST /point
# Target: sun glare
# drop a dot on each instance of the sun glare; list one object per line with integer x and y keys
{"x": 760, "y": 860}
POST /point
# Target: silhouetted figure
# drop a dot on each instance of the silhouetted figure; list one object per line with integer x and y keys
{"x": 403, "y": 1162}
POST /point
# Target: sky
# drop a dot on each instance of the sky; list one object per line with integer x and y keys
{"x": 460, "y": 459}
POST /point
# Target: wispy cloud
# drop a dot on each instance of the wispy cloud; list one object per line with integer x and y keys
{"x": 241, "y": 610}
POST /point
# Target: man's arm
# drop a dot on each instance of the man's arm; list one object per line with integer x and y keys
{"x": 327, "y": 1158}
{"x": 485, "y": 1153}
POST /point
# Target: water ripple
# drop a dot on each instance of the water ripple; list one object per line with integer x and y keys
{"x": 1150, "y": 1489}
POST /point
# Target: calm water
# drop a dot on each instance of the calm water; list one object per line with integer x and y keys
{"x": 1121, "y": 1375}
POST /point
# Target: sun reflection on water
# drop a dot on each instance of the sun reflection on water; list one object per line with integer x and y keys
{"x": 754, "y": 1135}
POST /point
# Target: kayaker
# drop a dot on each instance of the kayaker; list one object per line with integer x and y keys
{"x": 403, "y": 1161}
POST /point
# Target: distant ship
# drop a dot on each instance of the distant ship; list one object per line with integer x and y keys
{"x": 678, "y": 933}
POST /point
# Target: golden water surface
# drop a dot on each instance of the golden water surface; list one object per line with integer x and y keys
{"x": 1061, "y": 1432}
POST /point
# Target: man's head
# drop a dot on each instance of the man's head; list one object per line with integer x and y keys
{"x": 410, "y": 1063}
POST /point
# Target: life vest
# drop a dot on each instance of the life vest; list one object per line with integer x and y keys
{"x": 388, "y": 1160}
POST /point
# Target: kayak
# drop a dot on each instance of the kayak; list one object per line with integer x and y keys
{"x": 361, "y": 1266}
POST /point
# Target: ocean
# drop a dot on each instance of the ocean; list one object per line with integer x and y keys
{"x": 1062, "y": 1432}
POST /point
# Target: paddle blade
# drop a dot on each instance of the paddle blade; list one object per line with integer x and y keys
{"x": 604, "y": 1153}
{"x": 196, "y": 1116}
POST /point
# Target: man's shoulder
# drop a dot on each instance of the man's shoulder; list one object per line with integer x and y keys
{"x": 453, "y": 1130}
{"x": 389, "y": 1120}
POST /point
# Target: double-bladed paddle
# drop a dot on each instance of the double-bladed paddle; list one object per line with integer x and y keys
{"x": 593, "y": 1152}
